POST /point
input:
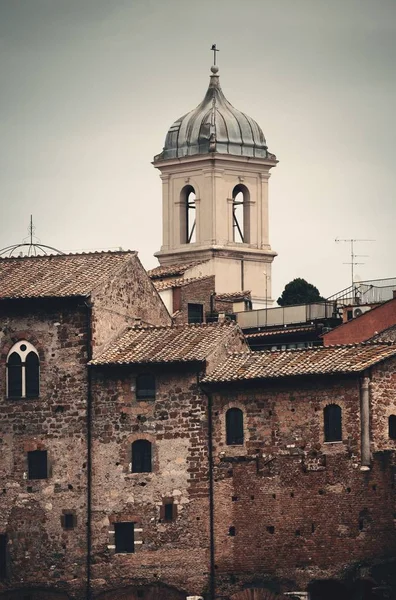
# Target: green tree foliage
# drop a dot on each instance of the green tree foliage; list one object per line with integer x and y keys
{"x": 299, "y": 291}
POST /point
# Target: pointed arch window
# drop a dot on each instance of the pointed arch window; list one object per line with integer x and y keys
{"x": 234, "y": 427}
{"x": 241, "y": 214}
{"x": 332, "y": 416}
{"x": 141, "y": 456}
{"x": 23, "y": 371}
{"x": 188, "y": 215}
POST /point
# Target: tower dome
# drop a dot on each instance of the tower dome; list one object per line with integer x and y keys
{"x": 214, "y": 126}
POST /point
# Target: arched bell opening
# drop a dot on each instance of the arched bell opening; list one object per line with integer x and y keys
{"x": 188, "y": 211}
{"x": 241, "y": 214}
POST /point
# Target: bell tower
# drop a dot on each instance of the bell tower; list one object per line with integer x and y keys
{"x": 215, "y": 168}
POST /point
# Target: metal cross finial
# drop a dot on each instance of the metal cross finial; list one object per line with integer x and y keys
{"x": 214, "y": 49}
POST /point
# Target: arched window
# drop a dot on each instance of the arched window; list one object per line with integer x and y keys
{"x": 141, "y": 456}
{"x": 23, "y": 371}
{"x": 332, "y": 423}
{"x": 145, "y": 386}
{"x": 241, "y": 214}
{"x": 234, "y": 427}
{"x": 392, "y": 427}
{"x": 188, "y": 215}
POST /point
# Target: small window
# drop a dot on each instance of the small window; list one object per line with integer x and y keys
{"x": 3, "y": 556}
{"x": 124, "y": 534}
{"x": 392, "y": 427}
{"x": 141, "y": 456}
{"x": 332, "y": 423}
{"x": 145, "y": 386}
{"x": 23, "y": 371}
{"x": 234, "y": 427}
{"x": 168, "y": 511}
{"x": 37, "y": 464}
{"x": 195, "y": 313}
{"x": 68, "y": 520}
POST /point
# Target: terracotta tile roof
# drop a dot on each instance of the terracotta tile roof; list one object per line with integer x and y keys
{"x": 387, "y": 335}
{"x": 308, "y": 361}
{"x": 234, "y": 296}
{"x": 280, "y": 331}
{"x": 180, "y": 282}
{"x": 58, "y": 275}
{"x": 176, "y": 343}
{"x": 173, "y": 270}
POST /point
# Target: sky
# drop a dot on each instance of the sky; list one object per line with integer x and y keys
{"x": 89, "y": 89}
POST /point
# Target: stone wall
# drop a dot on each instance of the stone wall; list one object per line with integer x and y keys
{"x": 196, "y": 292}
{"x": 301, "y": 508}
{"x": 128, "y": 296}
{"x": 175, "y": 553}
{"x": 39, "y": 550}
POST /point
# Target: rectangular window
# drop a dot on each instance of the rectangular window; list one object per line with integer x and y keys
{"x": 168, "y": 512}
{"x": 3, "y": 556}
{"x": 37, "y": 464}
{"x": 68, "y": 520}
{"x": 195, "y": 313}
{"x": 124, "y": 537}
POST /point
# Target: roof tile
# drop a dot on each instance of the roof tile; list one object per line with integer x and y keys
{"x": 176, "y": 343}
{"x": 173, "y": 270}
{"x": 321, "y": 360}
{"x": 58, "y": 275}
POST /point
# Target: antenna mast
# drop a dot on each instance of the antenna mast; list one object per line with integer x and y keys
{"x": 353, "y": 255}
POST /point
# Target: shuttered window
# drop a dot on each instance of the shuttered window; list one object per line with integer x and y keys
{"x": 145, "y": 386}
{"x": 332, "y": 423}
{"x": 141, "y": 456}
{"x": 124, "y": 537}
{"x": 234, "y": 427}
{"x": 37, "y": 464}
{"x": 14, "y": 374}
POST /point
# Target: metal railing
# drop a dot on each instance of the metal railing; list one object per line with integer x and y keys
{"x": 286, "y": 315}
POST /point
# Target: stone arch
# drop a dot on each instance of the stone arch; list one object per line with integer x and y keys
{"x": 34, "y": 594}
{"x": 241, "y": 214}
{"x": 188, "y": 213}
{"x": 153, "y": 592}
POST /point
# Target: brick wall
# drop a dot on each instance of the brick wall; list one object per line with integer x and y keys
{"x": 302, "y": 509}
{"x": 196, "y": 292}
{"x": 364, "y": 327}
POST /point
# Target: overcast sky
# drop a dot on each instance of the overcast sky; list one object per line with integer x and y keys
{"x": 89, "y": 88}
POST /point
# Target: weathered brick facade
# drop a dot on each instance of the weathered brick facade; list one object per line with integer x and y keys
{"x": 302, "y": 508}
{"x": 278, "y": 512}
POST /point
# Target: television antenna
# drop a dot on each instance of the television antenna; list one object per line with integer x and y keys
{"x": 354, "y": 256}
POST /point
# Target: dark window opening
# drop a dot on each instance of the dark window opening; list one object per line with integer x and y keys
{"x": 37, "y": 464}
{"x": 234, "y": 427}
{"x": 32, "y": 367}
{"x": 141, "y": 456}
{"x": 349, "y": 315}
{"x": 168, "y": 511}
{"x": 68, "y": 521}
{"x": 3, "y": 556}
{"x": 124, "y": 534}
{"x": 14, "y": 373}
{"x": 231, "y": 531}
{"x": 145, "y": 386}
{"x": 332, "y": 423}
{"x": 195, "y": 313}
{"x": 392, "y": 427}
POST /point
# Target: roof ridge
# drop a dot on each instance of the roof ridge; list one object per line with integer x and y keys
{"x": 67, "y": 254}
